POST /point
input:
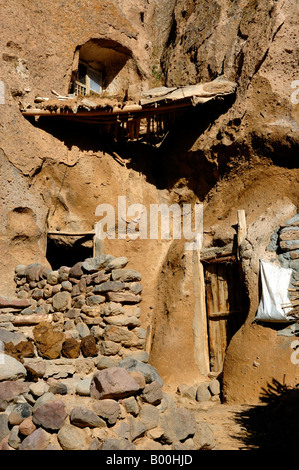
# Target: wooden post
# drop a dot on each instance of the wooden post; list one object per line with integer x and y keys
{"x": 200, "y": 325}
{"x": 242, "y": 229}
{"x": 98, "y": 243}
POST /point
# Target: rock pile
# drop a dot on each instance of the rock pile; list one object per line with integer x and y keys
{"x": 74, "y": 373}
{"x": 288, "y": 243}
{"x": 117, "y": 408}
{"x": 87, "y": 310}
{"x": 288, "y": 249}
{"x": 202, "y": 392}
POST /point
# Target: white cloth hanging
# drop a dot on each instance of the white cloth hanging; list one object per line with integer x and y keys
{"x": 274, "y": 283}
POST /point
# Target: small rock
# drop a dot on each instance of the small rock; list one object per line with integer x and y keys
{"x": 11, "y": 337}
{"x": 114, "y": 382}
{"x": 52, "y": 278}
{"x": 152, "y": 393}
{"x": 140, "y": 379}
{"x": 105, "y": 362}
{"x": 123, "y": 320}
{"x": 83, "y": 330}
{"x": 123, "y": 297}
{"x": 61, "y": 301}
{"x": 48, "y": 291}
{"x": 131, "y": 405}
{"x": 92, "y": 265}
{"x": 109, "y": 348}
{"x": 113, "y": 308}
{"x": 83, "y": 417}
{"x": 204, "y": 438}
{"x": 97, "y": 332}
{"x": 83, "y": 387}
{"x": 14, "y": 303}
{"x": 4, "y": 444}
{"x": 20, "y": 270}
{"x": 89, "y": 346}
{"x": 137, "y": 428}
{"x": 76, "y": 271}
{"x": 122, "y": 429}
{"x": 71, "y": 348}
{"x": 35, "y": 370}
{"x": 72, "y": 438}
{"x": 117, "y": 334}
{"x": 107, "y": 409}
{"x": 48, "y": 340}
{"x": 45, "y": 398}
{"x": 203, "y": 392}
{"x": 51, "y": 415}
{"x": 109, "y": 286}
{"x": 155, "y": 433}
{"x": 21, "y": 350}
{"x": 11, "y": 369}
{"x": 14, "y": 439}
{"x": 11, "y": 389}
{"x": 19, "y": 412}
{"x": 94, "y": 300}
{"x": 27, "y": 311}
{"x": 177, "y": 424}
{"x": 126, "y": 275}
{"x": 117, "y": 444}
{"x": 97, "y": 278}
{"x": 117, "y": 263}
{"x": 135, "y": 287}
{"x": 39, "y": 388}
{"x": 187, "y": 391}
{"x": 73, "y": 313}
{"x": 141, "y": 356}
{"x": 55, "y": 290}
{"x": 149, "y": 416}
{"x": 214, "y": 387}
{"x": 27, "y": 426}
{"x": 67, "y": 285}
{"x": 144, "y": 443}
{"x": 37, "y": 294}
{"x": 56, "y": 387}
{"x": 34, "y": 271}
{"x": 4, "y": 429}
{"x": 38, "y": 440}
{"x": 150, "y": 373}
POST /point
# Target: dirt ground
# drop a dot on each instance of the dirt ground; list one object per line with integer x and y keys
{"x": 230, "y": 433}
{"x": 271, "y": 424}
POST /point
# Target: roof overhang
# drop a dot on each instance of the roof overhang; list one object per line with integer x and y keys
{"x": 157, "y": 101}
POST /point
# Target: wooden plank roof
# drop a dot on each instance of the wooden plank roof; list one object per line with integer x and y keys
{"x": 154, "y": 102}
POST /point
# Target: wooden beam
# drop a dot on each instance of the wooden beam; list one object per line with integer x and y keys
{"x": 242, "y": 229}
{"x": 136, "y": 109}
{"x": 200, "y": 324}
{"x": 215, "y": 253}
{"x": 70, "y": 233}
{"x": 224, "y": 314}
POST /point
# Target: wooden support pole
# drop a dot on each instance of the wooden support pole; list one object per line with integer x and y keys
{"x": 242, "y": 229}
{"x": 70, "y": 233}
{"x": 98, "y": 243}
{"x": 200, "y": 324}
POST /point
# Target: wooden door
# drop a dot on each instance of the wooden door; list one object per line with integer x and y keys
{"x": 226, "y": 307}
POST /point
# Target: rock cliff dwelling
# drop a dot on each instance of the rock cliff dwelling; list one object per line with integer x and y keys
{"x": 134, "y": 119}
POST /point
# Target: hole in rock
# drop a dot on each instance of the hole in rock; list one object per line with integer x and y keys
{"x": 67, "y": 253}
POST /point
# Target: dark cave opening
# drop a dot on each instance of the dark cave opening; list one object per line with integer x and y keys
{"x": 61, "y": 254}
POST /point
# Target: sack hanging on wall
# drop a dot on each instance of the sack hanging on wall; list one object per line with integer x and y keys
{"x": 274, "y": 293}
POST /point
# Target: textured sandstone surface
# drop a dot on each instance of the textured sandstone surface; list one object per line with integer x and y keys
{"x": 236, "y": 155}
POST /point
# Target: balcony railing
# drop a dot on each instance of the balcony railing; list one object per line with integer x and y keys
{"x": 84, "y": 90}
